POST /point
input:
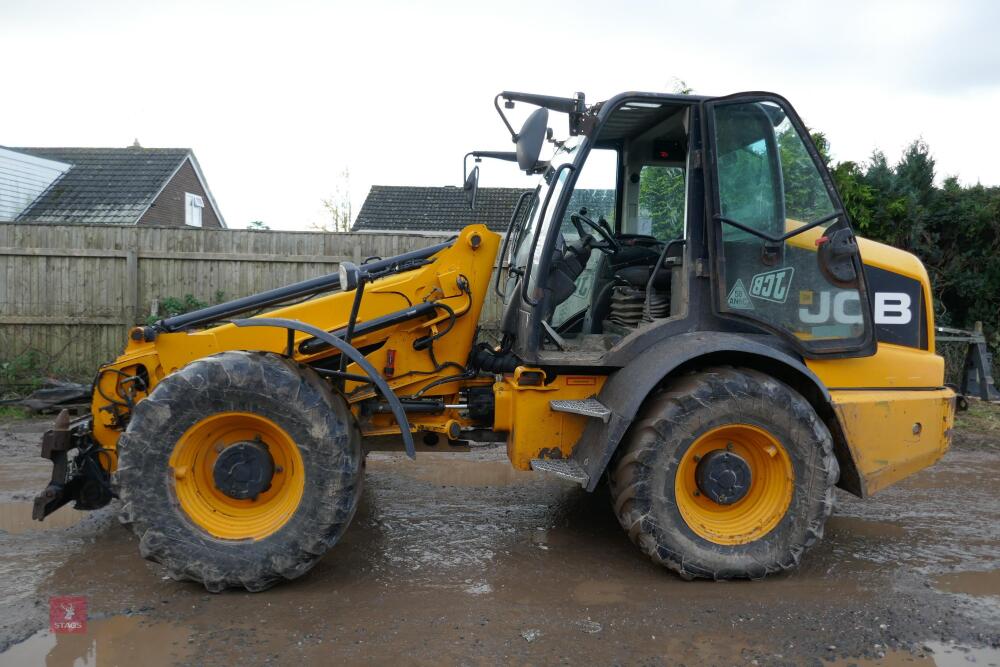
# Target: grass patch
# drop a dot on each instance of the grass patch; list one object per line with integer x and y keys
{"x": 9, "y": 413}
{"x": 981, "y": 417}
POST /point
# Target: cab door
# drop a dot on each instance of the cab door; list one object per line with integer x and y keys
{"x": 784, "y": 254}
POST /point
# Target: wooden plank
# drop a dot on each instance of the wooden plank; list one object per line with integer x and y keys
{"x": 61, "y": 252}
{"x": 194, "y": 256}
{"x": 57, "y": 320}
{"x": 249, "y": 257}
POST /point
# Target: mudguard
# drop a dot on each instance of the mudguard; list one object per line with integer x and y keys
{"x": 354, "y": 355}
{"x": 626, "y": 389}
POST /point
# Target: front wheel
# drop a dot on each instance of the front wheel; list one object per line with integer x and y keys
{"x": 726, "y": 473}
{"x": 240, "y": 469}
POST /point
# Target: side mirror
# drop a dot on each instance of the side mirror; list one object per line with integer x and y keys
{"x": 471, "y": 187}
{"x": 530, "y": 139}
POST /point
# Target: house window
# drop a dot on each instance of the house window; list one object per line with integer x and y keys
{"x": 192, "y": 209}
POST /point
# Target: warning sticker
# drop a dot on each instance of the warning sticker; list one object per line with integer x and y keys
{"x": 738, "y": 298}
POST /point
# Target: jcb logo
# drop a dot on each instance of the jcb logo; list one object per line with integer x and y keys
{"x": 845, "y": 308}
{"x": 772, "y": 285}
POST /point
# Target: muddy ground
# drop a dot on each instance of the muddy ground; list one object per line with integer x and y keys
{"x": 457, "y": 558}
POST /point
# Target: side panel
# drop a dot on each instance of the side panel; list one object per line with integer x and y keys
{"x": 893, "y": 434}
{"x": 535, "y": 430}
{"x": 894, "y": 366}
{"x": 904, "y": 325}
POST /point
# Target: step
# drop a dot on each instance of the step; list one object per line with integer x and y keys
{"x": 588, "y": 407}
{"x": 565, "y": 468}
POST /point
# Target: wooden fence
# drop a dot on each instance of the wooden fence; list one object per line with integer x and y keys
{"x": 68, "y": 293}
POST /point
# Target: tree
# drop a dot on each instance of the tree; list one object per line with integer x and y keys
{"x": 680, "y": 87}
{"x": 258, "y": 226}
{"x": 661, "y": 199}
{"x": 858, "y": 197}
{"x": 805, "y": 197}
{"x": 338, "y": 206}
{"x": 953, "y": 229}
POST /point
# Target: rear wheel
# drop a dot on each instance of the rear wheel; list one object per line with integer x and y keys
{"x": 240, "y": 469}
{"x": 726, "y": 473}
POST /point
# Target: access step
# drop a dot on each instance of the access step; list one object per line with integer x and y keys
{"x": 588, "y": 407}
{"x": 565, "y": 468}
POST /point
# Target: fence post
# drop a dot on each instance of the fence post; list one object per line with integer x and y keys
{"x": 130, "y": 302}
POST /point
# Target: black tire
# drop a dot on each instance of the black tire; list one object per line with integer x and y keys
{"x": 642, "y": 478}
{"x": 295, "y": 399}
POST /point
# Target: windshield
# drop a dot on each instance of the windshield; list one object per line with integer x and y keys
{"x": 521, "y": 245}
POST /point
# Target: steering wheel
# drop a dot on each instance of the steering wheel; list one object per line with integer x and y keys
{"x": 608, "y": 245}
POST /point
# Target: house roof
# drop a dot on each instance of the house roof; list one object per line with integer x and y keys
{"x": 435, "y": 209}
{"x": 106, "y": 185}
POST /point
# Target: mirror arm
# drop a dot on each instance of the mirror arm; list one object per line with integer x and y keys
{"x": 465, "y": 167}
{"x": 575, "y": 106}
{"x": 560, "y": 104}
{"x": 508, "y": 156}
{"x": 496, "y": 104}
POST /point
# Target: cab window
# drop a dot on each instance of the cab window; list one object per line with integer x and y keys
{"x": 769, "y": 187}
{"x": 596, "y": 191}
{"x": 661, "y": 202}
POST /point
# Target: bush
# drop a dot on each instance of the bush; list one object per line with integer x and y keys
{"x": 171, "y": 306}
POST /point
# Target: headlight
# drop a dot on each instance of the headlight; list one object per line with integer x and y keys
{"x": 348, "y": 276}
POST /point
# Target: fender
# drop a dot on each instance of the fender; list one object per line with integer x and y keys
{"x": 627, "y": 389}
{"x": 354, "y": 355}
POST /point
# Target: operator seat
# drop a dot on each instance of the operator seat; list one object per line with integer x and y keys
{"x": 636, "y": 258}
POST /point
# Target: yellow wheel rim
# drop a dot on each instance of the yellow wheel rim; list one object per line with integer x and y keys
{"x": 192, "y": 462}
{"x": 763, "y": 506}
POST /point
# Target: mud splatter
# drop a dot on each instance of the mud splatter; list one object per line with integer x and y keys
{"x": 444, "y": 564}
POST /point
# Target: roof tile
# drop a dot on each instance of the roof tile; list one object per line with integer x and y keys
{"x": 438, "y": 209}
{"x": 104, "y": 185}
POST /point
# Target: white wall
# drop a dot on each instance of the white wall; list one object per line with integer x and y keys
{"x": 22, "y": 178}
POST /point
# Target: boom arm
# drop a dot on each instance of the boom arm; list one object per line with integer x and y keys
{"x": 419, "y": 314}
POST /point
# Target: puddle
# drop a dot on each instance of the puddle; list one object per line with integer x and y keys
{"x": 940, "y": 655}
{"x": 970, "y": 582}
{"x": 952, "y": 655}
{"x": 448, "y": 470}
{"x": 481, "y": 588}
{"x": 15, "y": 518}
{"x": 111, "y": 641}
{"x": 31, "y": 478}
{"x": 849, "y": 525}
{"x": 599, "y": 592}
{"x": 891, "y": 659}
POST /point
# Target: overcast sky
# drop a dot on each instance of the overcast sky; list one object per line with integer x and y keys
{"x": 276, "y": 99}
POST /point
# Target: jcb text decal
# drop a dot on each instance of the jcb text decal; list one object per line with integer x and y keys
{"x": 772, "y": 285}
{"x": 844, "y": 308}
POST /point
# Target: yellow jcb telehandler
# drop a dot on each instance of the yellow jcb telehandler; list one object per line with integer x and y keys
{"x": 685, "y": 312}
